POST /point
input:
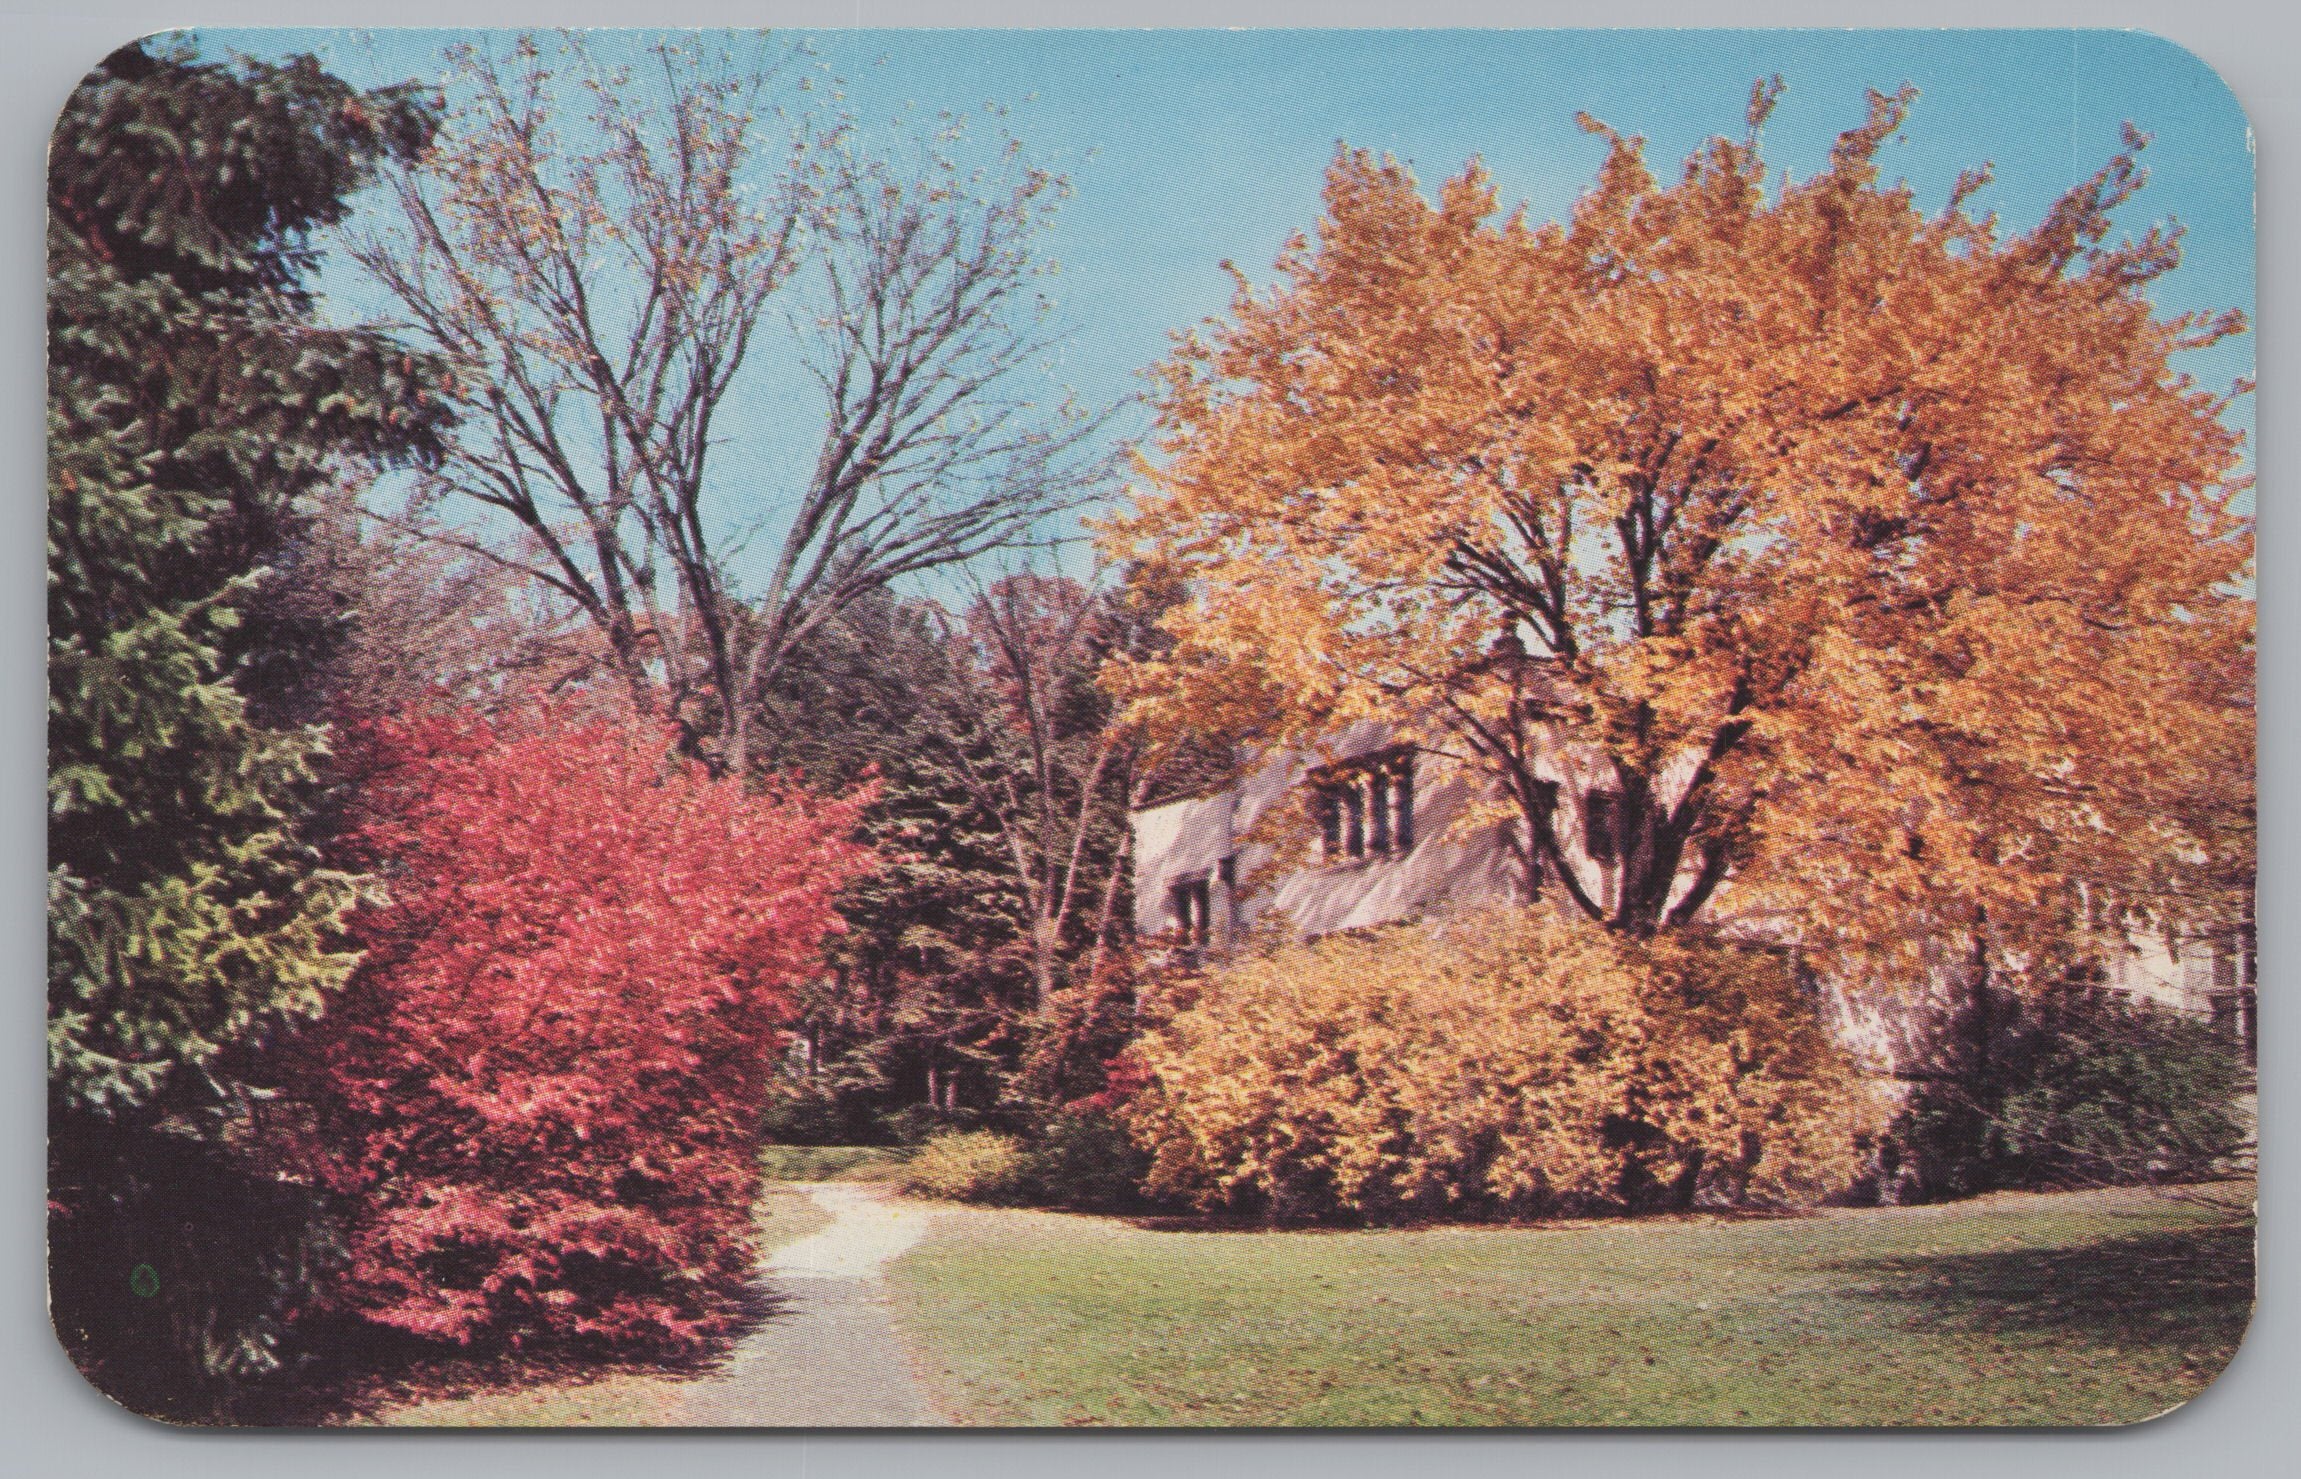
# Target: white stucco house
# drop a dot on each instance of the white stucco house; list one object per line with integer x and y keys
{"x": 1367, "y": 832}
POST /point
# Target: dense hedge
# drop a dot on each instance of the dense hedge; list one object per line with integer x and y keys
{"x": 1077, "y": 1159}
{"x": 540, "y": 1097}
{"x": 967, "y": 1166}
{"x": 1504, "y": 1063}
{"x": 2082, "y": 1088}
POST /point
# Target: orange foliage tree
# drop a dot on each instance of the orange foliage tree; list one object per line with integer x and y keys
{"x": 1877, "y": 561}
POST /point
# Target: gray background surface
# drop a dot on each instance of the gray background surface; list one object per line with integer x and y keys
{"x": 52, "y": 1423}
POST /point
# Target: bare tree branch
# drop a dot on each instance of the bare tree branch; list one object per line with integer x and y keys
{"x": 602, "y": 275}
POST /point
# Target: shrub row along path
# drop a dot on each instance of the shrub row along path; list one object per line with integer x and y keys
{"x": 828, "y": 1356}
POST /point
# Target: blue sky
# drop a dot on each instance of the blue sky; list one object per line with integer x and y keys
{"x": 1189, "y": 147}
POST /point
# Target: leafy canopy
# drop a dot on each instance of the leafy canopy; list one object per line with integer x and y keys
{"x": 1880, "y": 561}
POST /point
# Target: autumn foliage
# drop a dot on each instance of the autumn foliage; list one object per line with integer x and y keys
{"x": 540, "y": 1097}
{"x": 1510, "y": 1063}
{"x": 1882, "y": 568}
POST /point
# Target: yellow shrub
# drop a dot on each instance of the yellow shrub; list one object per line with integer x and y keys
{"x": 969, "y": 1166}
{"x": 1501, "y": 1063}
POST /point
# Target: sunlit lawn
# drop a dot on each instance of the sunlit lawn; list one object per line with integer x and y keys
{"x": 2097, "y": 1307}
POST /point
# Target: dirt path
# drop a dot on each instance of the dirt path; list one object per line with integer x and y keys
{"x": 827, "y": 1357}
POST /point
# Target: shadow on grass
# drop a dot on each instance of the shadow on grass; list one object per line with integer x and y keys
{"x": 2188, "y": 1287}
{"x": 1239, "y": 1222}
{"x": 354, "y": 1371}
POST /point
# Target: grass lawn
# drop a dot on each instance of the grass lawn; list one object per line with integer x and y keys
{"x": 609, "y": 1398}
{"x": 2093, "y": 1307}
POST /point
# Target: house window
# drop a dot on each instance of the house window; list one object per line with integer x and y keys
{"x": 1601, "y": 813}
{"x": 1366, "y": 807}
{"x": 1327, "y": 803}
{"x": 1192, "y": 904}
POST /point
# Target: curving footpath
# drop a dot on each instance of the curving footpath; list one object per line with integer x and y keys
{"x": 828, "y": 1356}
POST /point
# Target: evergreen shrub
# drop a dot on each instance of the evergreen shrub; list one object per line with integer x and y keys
{"x": 2083, "y": 1089}
{"x": 1085, "y": 1160}
{"x": 197, "y": 405}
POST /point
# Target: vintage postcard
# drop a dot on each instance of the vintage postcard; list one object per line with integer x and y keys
{"x": 885, "y": 729}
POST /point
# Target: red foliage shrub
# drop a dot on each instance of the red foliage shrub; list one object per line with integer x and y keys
{"x": 540, "y": 1097}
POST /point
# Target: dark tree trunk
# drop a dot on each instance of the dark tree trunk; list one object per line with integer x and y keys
{"x": 1982, "y": 1012}
{"x": 1689, "y": 1181}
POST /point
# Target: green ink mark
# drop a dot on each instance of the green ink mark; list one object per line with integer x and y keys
{"x": 144, "y": 1281}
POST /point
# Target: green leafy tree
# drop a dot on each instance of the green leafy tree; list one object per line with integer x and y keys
{"x": 974, "y": 956}
{"x": 921, "y": 992}
{"x": 195, "y": 404}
